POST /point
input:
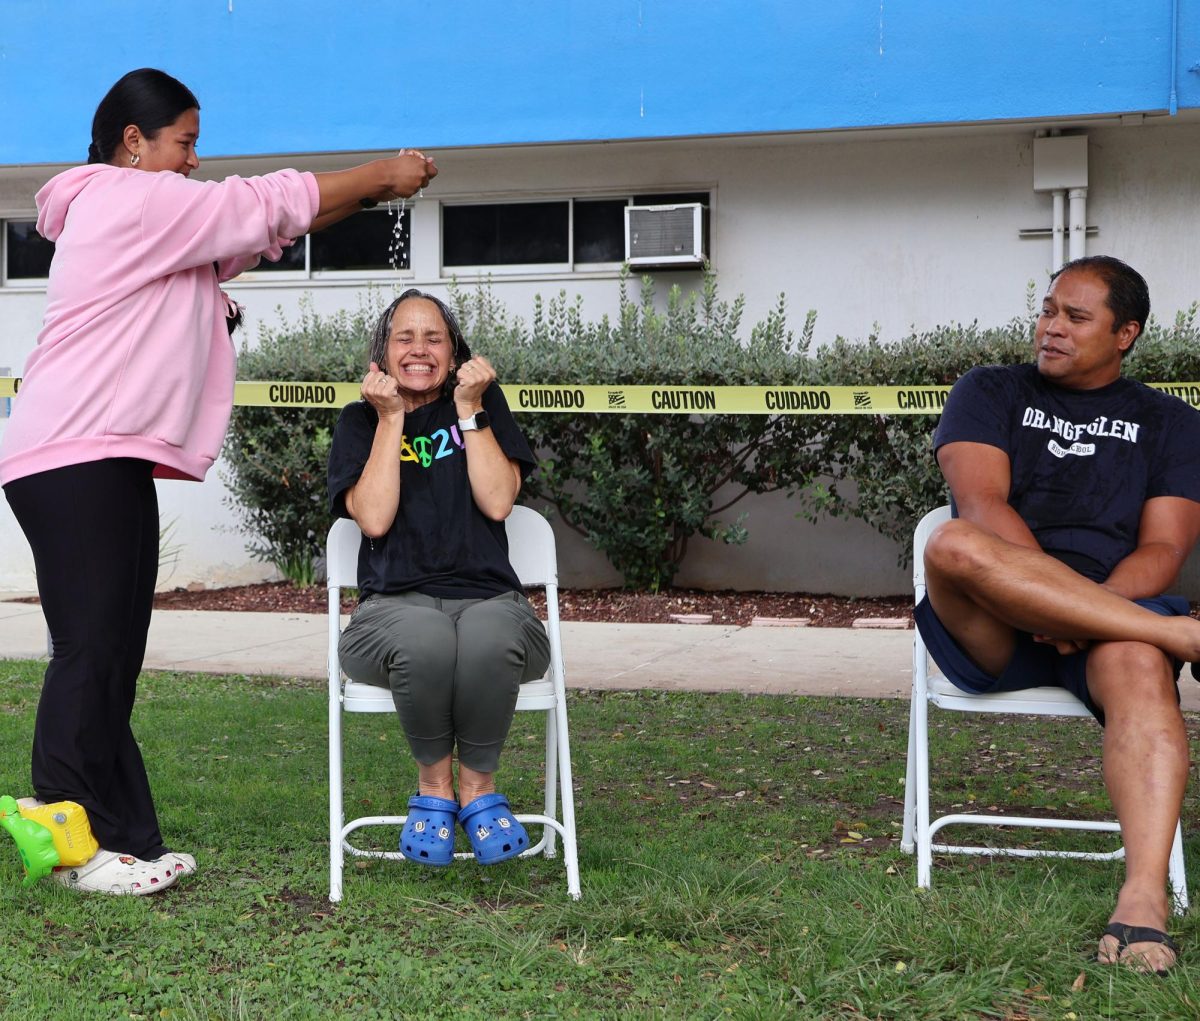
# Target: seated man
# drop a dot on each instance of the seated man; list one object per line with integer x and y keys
{"x": 1077, "y": 500}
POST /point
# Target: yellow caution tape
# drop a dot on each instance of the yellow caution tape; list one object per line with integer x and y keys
{"x": 295, "y": 395}
{"x": 729, "y": 400}
{"x": 652, "y": 400}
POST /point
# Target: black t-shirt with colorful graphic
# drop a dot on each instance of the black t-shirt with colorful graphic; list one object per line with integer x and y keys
{"x": 440, "y": 544}
{"x": 1084, "y": 462}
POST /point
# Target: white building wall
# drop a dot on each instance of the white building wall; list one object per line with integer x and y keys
{"x": 900, "y": 230}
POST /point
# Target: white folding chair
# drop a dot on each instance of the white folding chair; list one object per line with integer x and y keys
{"x": 532, "y": 553}
{"x": 935, "y": 690}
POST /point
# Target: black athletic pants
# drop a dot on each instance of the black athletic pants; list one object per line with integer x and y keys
{"x": 93, "y": 528}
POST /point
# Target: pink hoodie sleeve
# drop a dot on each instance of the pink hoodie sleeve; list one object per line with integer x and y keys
{"x": 189, "y": 223}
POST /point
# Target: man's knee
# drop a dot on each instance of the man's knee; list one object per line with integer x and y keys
{"x": 955, "y": 549}
{"x": 1132, "y": 675}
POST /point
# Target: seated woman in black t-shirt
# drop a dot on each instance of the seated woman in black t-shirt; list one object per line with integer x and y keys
{"x": 429, "y": 464}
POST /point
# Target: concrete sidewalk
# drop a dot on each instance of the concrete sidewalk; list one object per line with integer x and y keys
{"x": 679, "y": 657}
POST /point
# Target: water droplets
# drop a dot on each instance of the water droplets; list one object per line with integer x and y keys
{"x": 398, "y": 245}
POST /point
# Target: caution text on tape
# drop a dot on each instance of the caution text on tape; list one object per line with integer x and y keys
{"x": 652, "y": 400}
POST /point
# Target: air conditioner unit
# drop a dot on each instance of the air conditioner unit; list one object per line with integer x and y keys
{"x": 665, "y": 235}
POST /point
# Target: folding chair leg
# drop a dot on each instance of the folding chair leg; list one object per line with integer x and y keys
{"x": 907, "y": 838}
{"x": 1178, "y": 877}
{"x": 551, "y": 793}
{"x": 921, "y": 794}
{"x": 336, "y": 853}
{"x": 567, "y": 792}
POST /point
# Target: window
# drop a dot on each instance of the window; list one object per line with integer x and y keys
{"x": 519, "y": 233}
{"x": 368, "y": 242}
{"x": 599, "y": 230}
{"x": 26, "y": 253}
{"x": 555, "y": 235}
{"x": 293, "y": 259}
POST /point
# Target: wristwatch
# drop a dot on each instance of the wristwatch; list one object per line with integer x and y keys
{"x": 479, "y": 420}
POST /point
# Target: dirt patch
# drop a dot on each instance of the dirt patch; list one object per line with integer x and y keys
{"x": 615, "y": 606}
{"x": 604, "y": 605}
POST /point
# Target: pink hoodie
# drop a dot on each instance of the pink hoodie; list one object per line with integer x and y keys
{"x": 134, "y": 358}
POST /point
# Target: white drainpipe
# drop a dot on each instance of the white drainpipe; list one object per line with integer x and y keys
{"x": 1078, "y": 213}
{"x": 1058, "y": 236}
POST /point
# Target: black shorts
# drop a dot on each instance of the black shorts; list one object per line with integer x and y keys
{"x": 1033, "y": 665}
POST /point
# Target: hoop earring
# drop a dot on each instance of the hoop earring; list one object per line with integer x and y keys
{"x": 134, "y": 160}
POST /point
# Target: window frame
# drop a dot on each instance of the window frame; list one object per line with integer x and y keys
{"x": 508, "y": 268}
{"x": 310, "y": 275}
{"x": 257, "y": 277}
{"x": 16, "y": 283}
{"x": 569, "y": 268}
{"x": 383, "y": 273}
{"x": 599, "y": 266}
{"x": 432, "y": 269}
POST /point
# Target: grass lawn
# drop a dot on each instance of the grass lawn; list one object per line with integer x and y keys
{"x": 739, "y": 859}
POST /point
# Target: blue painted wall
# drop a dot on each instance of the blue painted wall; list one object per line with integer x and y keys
{"x": 278, "y": 76}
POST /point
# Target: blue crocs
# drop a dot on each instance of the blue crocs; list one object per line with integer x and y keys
{"x": 428, "y": 834}
{"x": 494, "y": 831}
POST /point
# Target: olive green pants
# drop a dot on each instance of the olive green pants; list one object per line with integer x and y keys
{"x": 453, "y": 667}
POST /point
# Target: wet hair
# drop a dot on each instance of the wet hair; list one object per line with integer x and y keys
{"x": 233, "y": 322}
{"x": 149, "y": 98}
{"x": 459, "y": 351}
{"x": 1128, "y": 296}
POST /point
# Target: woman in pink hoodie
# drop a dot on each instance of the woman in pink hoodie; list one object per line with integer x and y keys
{"x": 131, "y": 380}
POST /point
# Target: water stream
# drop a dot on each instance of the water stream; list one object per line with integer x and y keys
{"x": 398, "y": 244}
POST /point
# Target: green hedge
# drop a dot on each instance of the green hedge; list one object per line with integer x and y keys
{"x": 881, "y": 468}
{"x": 275, "y": 458}
{"x": 640, "y": 487}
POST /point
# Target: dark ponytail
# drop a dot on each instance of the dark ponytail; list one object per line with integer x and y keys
{"x": 147, "y": 98}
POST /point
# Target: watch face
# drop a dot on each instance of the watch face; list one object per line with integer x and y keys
{"x": 481, "y": 420}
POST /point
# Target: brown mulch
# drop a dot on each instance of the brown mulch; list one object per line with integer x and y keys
{"x": 615, "y": 606}
{"x": 605, "y": 605}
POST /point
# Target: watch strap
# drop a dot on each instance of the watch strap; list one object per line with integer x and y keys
{"x": 477, "y": 421}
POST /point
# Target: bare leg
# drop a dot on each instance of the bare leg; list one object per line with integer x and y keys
{"x": 436, "y": 780}
{"x": 982, "y": 588}
{"x": 1145, "y": 770}
{"x": 472, "y": 784}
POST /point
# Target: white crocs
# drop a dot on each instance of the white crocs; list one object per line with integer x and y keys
{"x": 118, "y": 874}
{"x": 182, "y": 864}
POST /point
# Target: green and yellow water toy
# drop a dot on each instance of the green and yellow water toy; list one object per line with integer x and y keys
{"x": 47, "y": 835}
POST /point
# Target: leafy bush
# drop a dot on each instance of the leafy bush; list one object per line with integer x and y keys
{"x": 881, "y": 468}
{"x": 639, "y": 487}
{"x": 277, "y": 457}
{"x": 1167, "y": 354}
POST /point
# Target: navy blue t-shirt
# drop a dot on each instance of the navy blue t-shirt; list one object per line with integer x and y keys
{"x": 1084, "y": 462}
{"x": 441, "y": 543}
